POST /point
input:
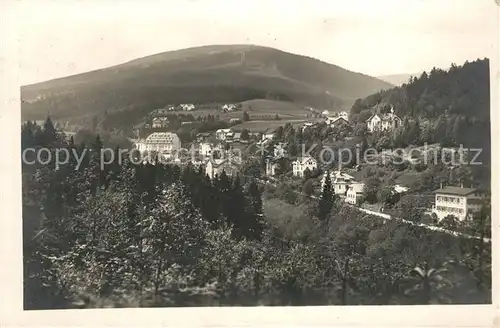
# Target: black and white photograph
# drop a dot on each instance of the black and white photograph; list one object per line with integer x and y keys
{"x": 262, "y": 154}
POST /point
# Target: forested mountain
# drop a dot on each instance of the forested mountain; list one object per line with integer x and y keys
{"x": 451, "y": 107}
{"x": 220, "y": 73}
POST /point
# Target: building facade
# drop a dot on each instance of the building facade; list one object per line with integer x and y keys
{"x": 165, "y": 142}
{"x": 383, "y": 122}
{"x": 457, "y": 201}
{"x": 354, "y": 193}
{"x": 301, "y": 164}
{"x": 215, "y": 167}
{"x": 340, "y": 182}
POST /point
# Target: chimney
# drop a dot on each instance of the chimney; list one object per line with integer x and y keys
{"x": 441, "y": 185}
{"x": 461, "y": 185}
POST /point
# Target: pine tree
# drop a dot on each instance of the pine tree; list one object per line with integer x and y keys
{"x": 326, "y": 200}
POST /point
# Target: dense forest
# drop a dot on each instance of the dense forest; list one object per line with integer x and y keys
{"x": 151, "y": 234}
{"x": 447, "y": 106}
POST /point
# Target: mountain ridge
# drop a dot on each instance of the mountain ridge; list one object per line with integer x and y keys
{"x": 220, "y": 73}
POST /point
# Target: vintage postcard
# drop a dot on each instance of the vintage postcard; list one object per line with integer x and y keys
{"x": 261, "y": 163}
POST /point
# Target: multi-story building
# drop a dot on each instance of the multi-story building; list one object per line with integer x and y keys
{"x": 214, "y": 167}
{"x": 301, "y": 164}
{"x": 164, "y": 142}
{"x": 354, "y": 193}
{"x": 383, "y": 122}
{"x": 340, "y": 182}
{"x": 457, "y": 201}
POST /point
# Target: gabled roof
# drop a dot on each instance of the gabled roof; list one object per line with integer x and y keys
{"x": 458, "y": 191}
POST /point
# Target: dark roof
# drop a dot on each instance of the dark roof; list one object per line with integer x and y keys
{"x": 455, "y": 191}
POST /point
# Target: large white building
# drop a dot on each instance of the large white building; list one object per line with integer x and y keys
{"x": 301, "y": 164}
{"x": 457, "y": 201}
{"x": 165, "y": 142}
{"x": 383, "y": 122}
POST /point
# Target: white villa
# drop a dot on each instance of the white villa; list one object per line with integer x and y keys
{"x": 165, "y": 142}
{"x": 340, "y": 182}
{"x": 456, "y": 201}
{"x": 215, "y": 167}
{"x": 383, "y": 122}
{"x": 354, "y": 192}
{"x": 302, "y": 163}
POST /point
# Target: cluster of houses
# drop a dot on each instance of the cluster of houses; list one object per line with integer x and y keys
{"x": 214, "y": 157}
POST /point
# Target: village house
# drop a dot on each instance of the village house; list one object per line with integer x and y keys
{"x": 187, "y": 107}
{"x": 457, "y": 201}
{"x": 228, "y": 107}
{"x": 280, "y": 150}
{"x": 205, "y": 149}
{"x": 234, "y": 121}
{"x": 165, "y": 142}
{"x": 268, "y": 135}
{"x": 221, "y": 134}
{"x": 341, "y": 182}
{"x": 214, "y": 167}
{"x": 301, "y": 164}
{"x": 272, "y": 166}
{"x": 383, "y": 122}
{"x": 337, "y": 122}
{"x": 160, "y": 122}
{"x": 354, "y": 193}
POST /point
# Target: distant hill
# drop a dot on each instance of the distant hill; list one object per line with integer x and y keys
{"x": 398, "y": 79}
{"x": 219, "y": 73}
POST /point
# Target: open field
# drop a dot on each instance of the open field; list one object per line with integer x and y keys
{"x": 262, "y": 126}
{"x": 260, "y": 109}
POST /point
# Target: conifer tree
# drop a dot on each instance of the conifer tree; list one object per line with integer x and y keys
{"x": 326, "y": 200}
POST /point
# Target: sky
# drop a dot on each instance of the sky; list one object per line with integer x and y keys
{"x": 374, "y": 37}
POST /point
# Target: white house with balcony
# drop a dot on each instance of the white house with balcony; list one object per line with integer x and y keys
{"x": 301, "y": 164}
{"x": 457, "y": 201}
{"x": 164, "y": 142}
{"x": 383, "y": 122}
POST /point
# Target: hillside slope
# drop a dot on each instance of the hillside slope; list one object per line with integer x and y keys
{"x": 452, "y": 107}
{"x": 221, "y": 73}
